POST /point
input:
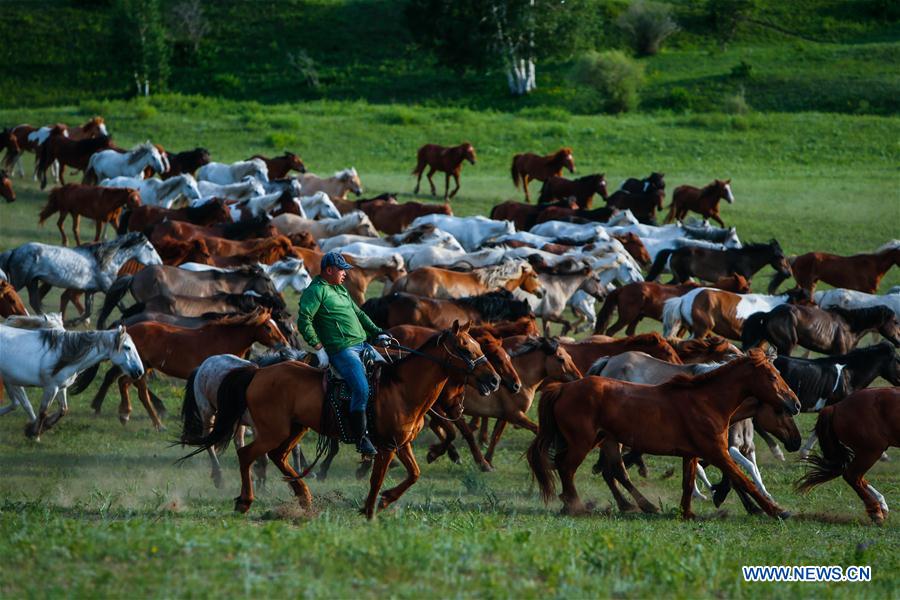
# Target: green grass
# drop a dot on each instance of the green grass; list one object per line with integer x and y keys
{"x": 97, "y": 509}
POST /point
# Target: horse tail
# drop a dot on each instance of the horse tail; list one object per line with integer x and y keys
{"x": 231, "y": 404}
{"x": 90, "y": 175}
{"x": 83, "y": 380}
{"x": 671, "y": 317}
{"x": 516, "y": 177}
{"x": 754, "y": 331}
{"x": 116, "y": 292}
{"x": 192, "y": 421}
{"x": 834, "y": 458}
{"x": 547, "y": 439}
{"x": 52, "y": 205}
{"x": 420, "y": 162}
{"x": 671, "y": 216}
{"x": 598, "y": 366}
{"x": 659, "y": 264}
{"x": 777, "y": 279}
{"x": 122, "y": 227}
{"x": 612, "y": 300}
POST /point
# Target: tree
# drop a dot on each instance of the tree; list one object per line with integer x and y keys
{"x": 510, "y": 34}
{"x": 727, "y": 15}
{"x": 647, "y": 24}
{"x": 142, "y": 37}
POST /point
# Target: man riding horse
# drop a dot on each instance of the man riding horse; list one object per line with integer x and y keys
{"x": 336, "y": 328}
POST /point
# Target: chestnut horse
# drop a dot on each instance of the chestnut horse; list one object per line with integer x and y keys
{"x": 185, "y": 162}
{"x": 176, "y": 351}
{"x": 861, "y": 272}
{"x": 102, "y": 204}
{"x": 408, "y": 309}
{"x": 646, "y": 299}
{"x": 705, "y": 350}
{"x": 704, "y": 201}
{"x": 447, "y": 160}
{"x": 854, "y": 433}
{"x": 6, "y": 188}
{"x": 391, "y": 218}
{"x": 10, "y": 302}
{"x": 587, "y": 351}
{"x": 687, "y": 416}
{"x": 527, "y": 167}
{"x": 265, "y": 250}
{"x": 280, "y": 166}
{"x": 433, "y": 282}
{"x": 582, "y": 189}
{"x": 145, "y": 217}
{"x": 525, "y": 216}
{"x": 68, "y": 152}
{"x": 408, "y": 389}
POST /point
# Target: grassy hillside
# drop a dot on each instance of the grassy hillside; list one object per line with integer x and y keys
{"x": 839, "y": 60}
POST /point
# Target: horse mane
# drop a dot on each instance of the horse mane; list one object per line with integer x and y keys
{"x": 709, "y": 344}
{"x": 105, "y": 252}
{"x": 891, "y": 245}
{"x": 860, "y": 356}
{"x": 414, "y": 235}
{"x": 390, "y": 372}
{"x": 351, "y": 172}
{"x": 497, "y": 275}
{"x": 139, "y": 151}
{"x": 756, "y": 357}
{"x": 592, "y": 177}
{"x": 864, "y": 318}
{"x": 72, "y": 345}
{"x": 533, "y": 342}
{"x": 256, "y": 317}
{"x": 274, "y": 357}
{"x": 496, "y": 306}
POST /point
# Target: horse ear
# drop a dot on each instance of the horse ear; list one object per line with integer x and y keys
{"x": 120, "y": 337}
{"x": 465, "y": 328}
{"x": 771, "y": 353}
{"x": 455, "y": 327}
{"x": 727, "y": 181}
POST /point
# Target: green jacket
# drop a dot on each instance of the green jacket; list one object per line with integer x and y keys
{"x": 328, "y": 315}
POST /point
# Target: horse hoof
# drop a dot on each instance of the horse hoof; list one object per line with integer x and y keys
{"x": 430, "y": 457}
{"x": 785, "y": 515}
{"x": 487, "y": 468}
{"x": 241, "y": 505}
{"x": 688, "y": 516}
{"x": 642, "y": 471}
{"x": 218, "y": 482}
{"x": 160, "y": 428}
{"x": 877, "y": 519}
{"x": 123, "y": 419}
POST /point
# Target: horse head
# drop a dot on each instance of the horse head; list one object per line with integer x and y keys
{"x": 500, "y": 360}
{"x": 133, "y": 199}
{"x": 350, "y": 179}
{"x": 460, "y": 347}
{"x": 723, "y": 187}
{"x": 779, "y": 262}
{"x": 568, "y": 159}
{"x": 123, "y": 353}
{"x": 779, "y": 423}
{"x": 294, "y": 162}
{"x": 559, "y": 364}
{"x": 530, "y": 282}
{"x": 890, "y": 327}
{"x": 469, "y": 152}
{"x": 600, "y": 185}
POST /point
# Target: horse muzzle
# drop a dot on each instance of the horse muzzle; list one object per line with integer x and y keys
{"x": 136, "y": 373}
{"x": 513, "y": 386}
{"x": 488, "y": 385}
{"x": 793, "y": 443}
{"x": 791, "y": 405}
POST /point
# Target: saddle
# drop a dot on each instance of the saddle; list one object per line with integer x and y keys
{"x": 336, "y": 412}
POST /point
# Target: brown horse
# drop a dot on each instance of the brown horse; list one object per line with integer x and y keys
{"x": 854, "y": 433}
{"x": 17, "y": 142}
{"x": 408, "y": 309}
{"x": 646, "y": 299}
{"x": 704, "y": 201}
{"x": 832, "y": 331}
{"x": 446, "y": 160}
{"x": 102, "y": 204}
{"x": 635, "y": 247}
{"x": 10, "y": 143}
{"x": 525, "y": 216}
{"x": 146, "y": 217}
{"x": 198, "y": 306}
{"x": 184, "y": 162}
{"x": 643, "y": 205}
{"x": 408, "y": 389}
{"x": 582, "y": 189}
{"x": 391, "y": 218}
{"x": 280, "y": 166}
{"x": 527, "y": 167}
{"x": 687, "y": 417}
{"x": 10, "y": 302}
{"x": 432, "y": 282}
{"x": 861, "y": 272}
{"x": 587, "y": 351}
{"x": 176, "y": 351}
{"x": 68, "y": 152}
{"x": 710, "y": 264}
{"x": 522, "y": 326}
{"x": 6, "y": 188}
{"x": 264, "y": 250}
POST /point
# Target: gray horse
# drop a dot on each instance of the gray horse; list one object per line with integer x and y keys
{"x": 89, "y": 268}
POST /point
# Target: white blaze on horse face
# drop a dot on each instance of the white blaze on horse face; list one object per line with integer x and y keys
{"x": 103, "y": 130}
{"x": 728, "y": 195}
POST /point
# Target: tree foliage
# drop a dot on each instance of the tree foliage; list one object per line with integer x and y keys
{"x": 141, "y": 35}
{"x": 647, "y": 24}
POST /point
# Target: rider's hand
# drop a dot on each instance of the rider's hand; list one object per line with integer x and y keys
{"x": 323, "y": 358}
{"x": 382, "y": 339}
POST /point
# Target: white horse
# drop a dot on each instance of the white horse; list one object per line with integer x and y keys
{"x": 319, "y": 206}
{"x": 356, "y": 222}
{"x": 851, "y": 299}
{"x": 471, "y": 232}
{"x": 246, "y": 188}
{"x": 286, "y": 272}
{"x": 51, "y": 359}
{"x": 558, "y": 290}
{"x": 420, "y": 255}
{"x": 574, "y": 233}
{"x": 107, "y": 164}
{"x": 428, "y": 235}
{"x": 224, "y": 174}
{"x": 336, "y": 186}
{"x": 159, "y": 192}
{"x": 255, "y": 207}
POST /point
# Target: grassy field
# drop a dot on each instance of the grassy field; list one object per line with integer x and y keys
{"x": 98, "y": 509}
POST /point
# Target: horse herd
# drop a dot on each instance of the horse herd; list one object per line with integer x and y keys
{"x": 204, "y": 250}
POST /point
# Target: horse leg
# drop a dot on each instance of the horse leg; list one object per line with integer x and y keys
{"x": 333, "y": 447}
{"x": 76, "y": 223}
{"x": 635, "y": 458}
{"x": 566, "y": 466}
{"x": 609, "y": 458}
{"x": 715, "y": 217}
{"x": 621, "y": 475}
{"x": 443, "y": 435}
{"x": 483, "y": 431}
{"x": 144, "y": 395}
{"x": 405, "y": 454}
{"x": 431, "y": 171}
{"x": 98, "y": 225}
{"x": 749, "y": 464}
{"x": 216, "y": 472}
{"x": 34, "y": 296}
{"x": 34, "y": 430}
{"x": 854, "y": 475}
{"x": 808, "y": 446}
{"x": 456, "y": 180}
{"x": 771, "y": 442}
{"x": 59, "y": 225}
{"x": 723, "y": 461}
{"x": 125, "y": 402}
{"x": 473, "y": 446}
{"x": 499, "y": 426}
{"x": 17, "y": 395}
{"x": 525, "y": 180}
{"x": 108, "y": 380}
{"x": 446, "y": 187}
{"x": 61, "y": 412}
{"x": 379, "y": 470}
{"x": 688, "y": 472}
{"x": 279, "y": 458}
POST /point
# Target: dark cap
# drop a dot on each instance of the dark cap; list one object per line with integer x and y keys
{"x": 335, "y": 259}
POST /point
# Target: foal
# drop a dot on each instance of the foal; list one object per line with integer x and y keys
{"x": 529, "y": 166}
{"x": 103, "y": 205}
{"x": 447, "y": 160}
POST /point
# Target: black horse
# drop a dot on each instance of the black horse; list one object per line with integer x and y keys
{"x": 642, "y": 204}
{"x": 710, "y": 264}
{"x": 654, "y": 181}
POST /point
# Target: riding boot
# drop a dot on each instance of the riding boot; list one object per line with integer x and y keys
{"x": 358, "y": 425}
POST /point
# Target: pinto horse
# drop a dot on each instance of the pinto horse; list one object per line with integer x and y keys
{"x": 6, "y": 188}
{"x": 27, "y": 138}
{"x": 687, "y": 416}
{"x": 280, "y": 166}
{"x": 582, "y": 189}
{"x": 711, "y": 264}
{"x": 527, "y": 167}
{"x": 446, "y": 160}
{"x": 72, "y": 153}
{"x": 408, "y": 309}
{"x": 854, "y": 433}
{"x": 407, "y": 390}
{"x": 704, "y": 201}
{"x": 102, "y": 204}
{"x": 861, "y": 272}
{"x": 646, "y": 299}
{"x": 392, "y": 218}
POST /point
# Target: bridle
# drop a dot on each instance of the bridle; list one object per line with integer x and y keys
{"x": 470, "y": 364}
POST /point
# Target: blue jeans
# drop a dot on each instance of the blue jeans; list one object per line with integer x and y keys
{"x": 348, "y": 363}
